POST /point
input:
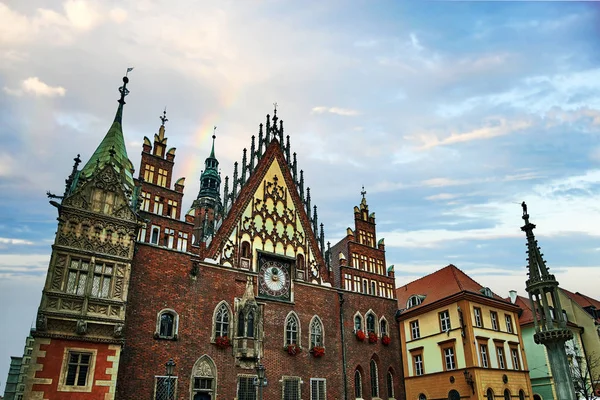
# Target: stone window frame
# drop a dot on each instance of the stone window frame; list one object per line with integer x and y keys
{"x": 213, "y": 335}
{"x": 292, "y": 314}
{"x": 245, "y": 376}
{"x": 214, "y": 375}
{"x": 62, "y": 386}
{"x": 154, "y": 228}
{"x": 358, "y": 388}
{"x": 445, "y": 345}
{"x": 317, "y": 381}
{"x": 298, "y": 379}
{"x": 385, "y": 331}
{"x": 175, "y": 324}
{"x": 362, "y": 322}
{"x": 374, "y": 378}
{"x": 389, "y": 384}
{"x": 316, "y": 319}
{"x": 375, "y": 322}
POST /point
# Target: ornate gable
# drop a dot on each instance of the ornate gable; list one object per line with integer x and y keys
{"x": 268, "y": 216}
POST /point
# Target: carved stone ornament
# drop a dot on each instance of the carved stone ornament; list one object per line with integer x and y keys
{"x": 41, "y": 322}
{"x": 118, "y": 330}
{"x": 203, "y": 369}
{"x": 81, "y": 327}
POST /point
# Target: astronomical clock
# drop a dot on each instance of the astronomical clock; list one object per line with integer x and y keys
{"x": 274, "y": 277}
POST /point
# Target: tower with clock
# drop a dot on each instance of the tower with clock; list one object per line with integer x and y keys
{"x": 274, "y": 277}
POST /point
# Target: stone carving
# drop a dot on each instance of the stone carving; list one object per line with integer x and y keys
{"x": 118, "y": 332}
{"x": 41, "y": 322}
{"x": 203, "y": 369}
{"x": 59, "y": 268}
{"x": 81, "y": 327}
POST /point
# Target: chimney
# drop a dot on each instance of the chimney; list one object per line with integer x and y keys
{"x": 513, "y": 296}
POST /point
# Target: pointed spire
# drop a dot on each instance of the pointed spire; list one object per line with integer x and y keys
{"x": 71, "y": 178}
{"x": 210, "y": 179}
{"x": 536, "y": 264}
{"x": 113, "y": 140}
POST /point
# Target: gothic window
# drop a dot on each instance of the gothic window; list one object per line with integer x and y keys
{"x": 77, "y": 278}
{"x": 172, "y": 208}
{"x": 222, "y": 317}
{"x": 182, "y": 242}
{"x": 316, "y": 332}
{"x": 292, "y": 329}
{"x": 371, "y": 322}
{"x": 383, "y": 330}
{"x": 374, "y": 379}
{"x": 250, "y": 325}
{"x": 357, "y": 322}
{"x": 204, "y": 376}
{"x": 102, "y": 278}
{"x": 300, "y": 262}
{"x": 357, "y": 384}
{"x": 507, "y": 394}
{"x": 149, "y": 173}
{"x": 154, "y": 234}
{"x": 521, "y": 394}
{"x": 167, "y": 324}
{"x": 161, "y": 179}
{"x": 245, "y": 249}
{"x": 241, "y": 324}
{"x": 390, "y": 385}
{"x": 489, "y": 394}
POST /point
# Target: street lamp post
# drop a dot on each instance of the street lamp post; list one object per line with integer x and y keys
{"x": 260, "y": 371}
{"x": 170, "y": 365}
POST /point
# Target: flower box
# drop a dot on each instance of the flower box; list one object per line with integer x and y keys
{"x": 292, "y": 349}
{"x": 318, "y": 351}
{"x": 386, "y": 340}
{"x": 360, "y": 335}
{"x": 372, "y": 337}
{"x": 222, "y": 342}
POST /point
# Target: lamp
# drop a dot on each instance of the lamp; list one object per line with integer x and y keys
{"x": 260, "y": 372}
{"x": 469, "y": 380}
{"x": 170, "y": 365}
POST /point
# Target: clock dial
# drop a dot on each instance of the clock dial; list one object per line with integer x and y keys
{"x": 274, "y": 279}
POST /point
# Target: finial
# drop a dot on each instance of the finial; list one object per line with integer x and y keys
{"x": 163, "y": 118}
{"x": 274, "y": 109}
{"x": 214, "y": 136}
{"x": 363, "y": 192}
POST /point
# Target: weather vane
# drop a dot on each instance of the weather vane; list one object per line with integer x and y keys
{"x": 214, "y": 131}
{"x": 363, "y": 191}
{"x": 163, "y": 117}
{"x": 275, "y": 106}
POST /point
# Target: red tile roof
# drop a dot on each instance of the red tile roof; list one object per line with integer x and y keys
{"x": 526, "y": 316}
{"x": 583, "y": 300}
{"x": 439, "y": 285}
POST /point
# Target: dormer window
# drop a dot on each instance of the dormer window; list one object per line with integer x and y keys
{"x": 414, "y": 301}
{"x": 486, "y": 291}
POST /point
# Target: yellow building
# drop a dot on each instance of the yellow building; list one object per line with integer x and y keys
{"x": 460, "y": 341}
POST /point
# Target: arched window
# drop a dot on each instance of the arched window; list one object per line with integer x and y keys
{"x": 383, "y": 331}
{"x": 154, "y": 235}
{"x": 521, "y": 395}
{"x": 365, "y": 287}
{"x": 537, "y": 397}
{"x": 370, "y": 323}
{"x": 204, "y": 378}
{"x": 390, "y": 385}
{"x": 453, "y": 395}
{"x": 413, "y": 301}
{"x": 422, "y": 396}
{"x": 357, "y": 322}
{"x": 373, "y": 288}
{"x": 166, "y": 324}
{"x": 291, "y": 330}
{"x": 374, "y": 379}
{"x": 506, "y": 394}
{"x": 300, "y": 262}
{"x": 316, "y": 332}
{"x": 245, "y": 249}
{"x": 250, "y": 325}
{"x": 490, "y": 394}
{"x": 222, "y": 320}
{"x": 357, "y": 384}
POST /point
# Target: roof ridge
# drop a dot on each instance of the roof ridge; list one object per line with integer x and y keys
{"x": 425, "y": 276}
{"x": 460, "y": 286}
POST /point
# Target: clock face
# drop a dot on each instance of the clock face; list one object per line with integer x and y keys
{"x": 274, "y": 279}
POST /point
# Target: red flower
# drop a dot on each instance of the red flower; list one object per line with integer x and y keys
{"x": 292, "y": 349}
{"x": 386, "y": 340}
{"x": 222, "y": 342}
{"x": 318, "y": 351}
{"x": 360, "y": 335}
{"x": 372, "y": 337}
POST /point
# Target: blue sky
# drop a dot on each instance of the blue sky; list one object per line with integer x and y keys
{"x": 449, "y": 113}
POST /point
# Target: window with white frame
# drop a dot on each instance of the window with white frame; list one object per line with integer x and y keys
{"x": 318, "y": 389}
{"x": 172, "y": 208}
{"x": 501, "y": 361}
{"x": 383, "y": 329}
{"x": 477, "y": 313}
{"x": 357, "y": 284}
{"x": 246, "y": 390}
{"x": 158, "y": 205}
{"x": 291, "y": 329}
{"x": 347, "y": 281}
{"x": 449, "y": 359}
{"x": 515, "y": 358}
{"x": 373, "y": 288}
{"x": 142, "y": 233}
{"x": 161, "y": 179}
{"x": 483, "y": 352}
{"x": 145, "y": 206}
{"x": 413, "y": 301}
{"x": 316, "y": 333}
{"x": 390, "y": 385}
{"x": 169, "y": 238}
{"x": 103, "y": 274}
{"x": 357, "y": 323}
{"x": 415, "y": 332}
{"x": 374, "y": 379}
{"x": 222, "y": 320}
{"x": 182, "y": 241}
{"x": 78, "y": 367}
{"x": 167, "y": 324}
{"x": 508, "y": 320}
{"x": 154, "y": 234}
{"x": 165, "y": 387}
{"x": 494, "y": 319}
{"x": 149, "y": 173}
{"x": 291, "y": 388}
{"x": 418, "y": 361}
{"x": 445, "y": 321}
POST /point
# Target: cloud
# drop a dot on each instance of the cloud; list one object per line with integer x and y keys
{"x": 442, "y": 196}
{"x": 334, "y": 110}
{"x": 36, "y": 87}
{"x": 415, "y": 42}
{"x": 15, "y": 241}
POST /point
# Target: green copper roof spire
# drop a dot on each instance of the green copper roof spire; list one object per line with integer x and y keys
{"x": 210, "y": 180}
{"x": 112, "y": 148}
{"x": 212, "y": 151}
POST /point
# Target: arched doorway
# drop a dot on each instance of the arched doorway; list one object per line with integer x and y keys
{"x": 204, "y": 379}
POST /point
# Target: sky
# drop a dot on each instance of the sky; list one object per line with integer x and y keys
{"x": 449, "y": 113}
